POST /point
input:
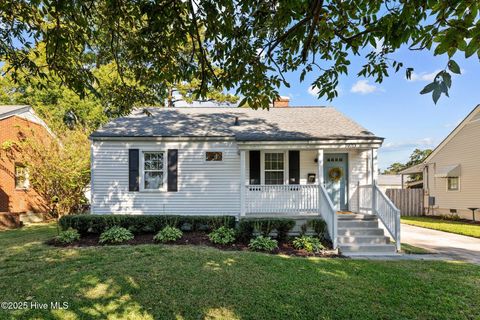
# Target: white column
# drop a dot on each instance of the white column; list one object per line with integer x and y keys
{"x": 320, "y": 178}
{"x": 320, "y": 166}
{"x": 374, "y": 165}
{"x": 242, "y": 182}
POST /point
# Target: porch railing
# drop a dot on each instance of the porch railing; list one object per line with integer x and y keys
{"x": 373, "y": 200}
{"x": 286, "y": 199}
{"x": 329, "y": 214}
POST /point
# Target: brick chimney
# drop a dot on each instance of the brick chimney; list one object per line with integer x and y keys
{"x": 281, "y": 102}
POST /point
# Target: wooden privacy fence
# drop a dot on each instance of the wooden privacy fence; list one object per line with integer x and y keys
{"x": 409, "y": 201}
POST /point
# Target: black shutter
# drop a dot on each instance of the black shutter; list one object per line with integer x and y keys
{"x": 172, "y": 184}
{"x": 294, "y": 167}
{"x": 254, "y": 167}
{"x": 133, "y": 170}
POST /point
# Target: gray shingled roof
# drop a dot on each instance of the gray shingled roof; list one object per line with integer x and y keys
{"x": 6, "y": 110}
{"x": 276, "y": 124}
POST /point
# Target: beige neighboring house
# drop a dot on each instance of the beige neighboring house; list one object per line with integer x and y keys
{"x": 451, "y": 173}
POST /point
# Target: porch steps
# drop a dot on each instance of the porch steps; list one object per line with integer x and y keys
{"x": 360, "y": 235}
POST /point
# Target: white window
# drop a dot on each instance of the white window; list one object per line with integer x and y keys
{"x": 153, "y": 170}
{"x": 274, "y": 168}
{"x": 453, "y": 184}
{"x": 21, "y": 177}
{"x": 214, "y": 156}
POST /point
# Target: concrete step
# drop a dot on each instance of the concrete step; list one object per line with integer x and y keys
{"x": 360, "y": 232}
{"x": 363, "y": 240}
{"x": 357, "y": 224}
{"x": 367, "y": 249}
{"x": 355, "y": 216}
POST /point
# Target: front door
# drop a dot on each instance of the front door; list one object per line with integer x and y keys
{"x": 335, "y": 168}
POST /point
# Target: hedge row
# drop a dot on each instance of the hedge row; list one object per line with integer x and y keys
{"x": 90, "y": 223}
{"x": 264, "y": 226}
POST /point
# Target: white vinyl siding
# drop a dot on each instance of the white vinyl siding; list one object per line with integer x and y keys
{"x": 203, "y": 187}
{"x": 462, "y": 149}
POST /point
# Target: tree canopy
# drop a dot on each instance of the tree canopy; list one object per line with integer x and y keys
{"x": 417, "y": 156}
{"x": 253, "y": 42}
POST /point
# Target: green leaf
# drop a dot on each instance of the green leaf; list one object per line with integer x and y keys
{"x": 471, "y": 48}
{"x": 454, "y": 67}
{"x": 429, "y": 88}
{"x": 447, "y": 79}
{"x": 436, "y": 94}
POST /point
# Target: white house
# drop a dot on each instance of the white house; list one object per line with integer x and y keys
{"x": 451, "y": 173}
{"x": 294, "y": 161}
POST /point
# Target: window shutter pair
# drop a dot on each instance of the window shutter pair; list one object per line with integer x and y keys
{"x": 134, "y": 170}
{"x": 293, "y": 167}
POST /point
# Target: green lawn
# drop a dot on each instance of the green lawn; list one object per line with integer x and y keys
{"x": 184, "y": 282}
{"x": 408, "y": 248}
{"x": 459, "y": 227}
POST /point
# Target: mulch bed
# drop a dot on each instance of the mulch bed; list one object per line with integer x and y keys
{"x": 194, "y": 238}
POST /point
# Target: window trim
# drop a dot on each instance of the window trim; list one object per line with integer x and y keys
{"x": 216, "y": 162}
{"x": 27, "y": 177}
{"x": 142, "y": 170}
{"x": 285, "y": 167}
{"x": 458, "y": 185}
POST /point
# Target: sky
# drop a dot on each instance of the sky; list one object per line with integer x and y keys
{"x": 395, "y": 109}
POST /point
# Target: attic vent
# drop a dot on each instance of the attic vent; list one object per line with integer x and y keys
{"x": 237, "y": 122}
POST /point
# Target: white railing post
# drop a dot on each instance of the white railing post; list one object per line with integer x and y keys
{"x": 374, "y": 197}
{"x": 397, "y": 230}
{"x": 358, "y": 196}
{"x": 242, "y": 183}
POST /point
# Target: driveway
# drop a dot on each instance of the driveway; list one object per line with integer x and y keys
{"x": 449, "y": 245}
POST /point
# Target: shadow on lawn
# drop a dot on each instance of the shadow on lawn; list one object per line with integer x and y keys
{"x": 181, "y": 282}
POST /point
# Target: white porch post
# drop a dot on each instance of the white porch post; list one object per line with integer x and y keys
{"x": 242, "y": 182}
{"x": 320, "y": 166}
{"x": 320, "y": 178}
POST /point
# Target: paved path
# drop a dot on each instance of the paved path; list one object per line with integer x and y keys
{"x": 449, "y": 245}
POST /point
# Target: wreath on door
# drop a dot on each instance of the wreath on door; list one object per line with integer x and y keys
{"x": 335, "y": 174}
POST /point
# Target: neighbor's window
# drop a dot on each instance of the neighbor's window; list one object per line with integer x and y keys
{"x": 452, "y": 183}
{"x": 213, "y": 156}
{"x": 153, "y": 170}
{"x": 274, "y": 168}
{"x": 21, "y": 177}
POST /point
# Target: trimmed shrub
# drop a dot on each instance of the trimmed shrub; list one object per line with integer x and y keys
{"x": 168, "y": 234}
{"x": 262, "y": 243}
{"x": 115, "y": 235}
{"x": 68, "y": 236}
{"x": 222, "y": 235}
{"x": 307, "y": 243}
{"x": 319, "y": 226}
{"x": 138, "y": 224}
{"x": 283, "y": 227}
{"x": 248, "y": 226}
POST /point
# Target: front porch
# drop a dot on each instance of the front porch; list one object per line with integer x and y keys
{"x": 299, "y": 184}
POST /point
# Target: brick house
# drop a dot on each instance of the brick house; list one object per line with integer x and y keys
{"x": 16, "y": 194}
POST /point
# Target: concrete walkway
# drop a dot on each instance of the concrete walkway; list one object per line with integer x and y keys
{"x": 447, "y": 245}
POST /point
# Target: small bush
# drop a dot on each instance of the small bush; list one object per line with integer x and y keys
{"x": 115, "y": 235}
{"x": 450, "y": 216}
{"x": 262, "y": 243}
{"x": 68, "y": 236}
{"x": 283, "y": 227}
{"x": 168, "y": 234}
{"x": 222, "y": 235}
{"x": 319, "y": 226}
{"x": 138, "y": 224}
{"x": 307, "y": 243}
